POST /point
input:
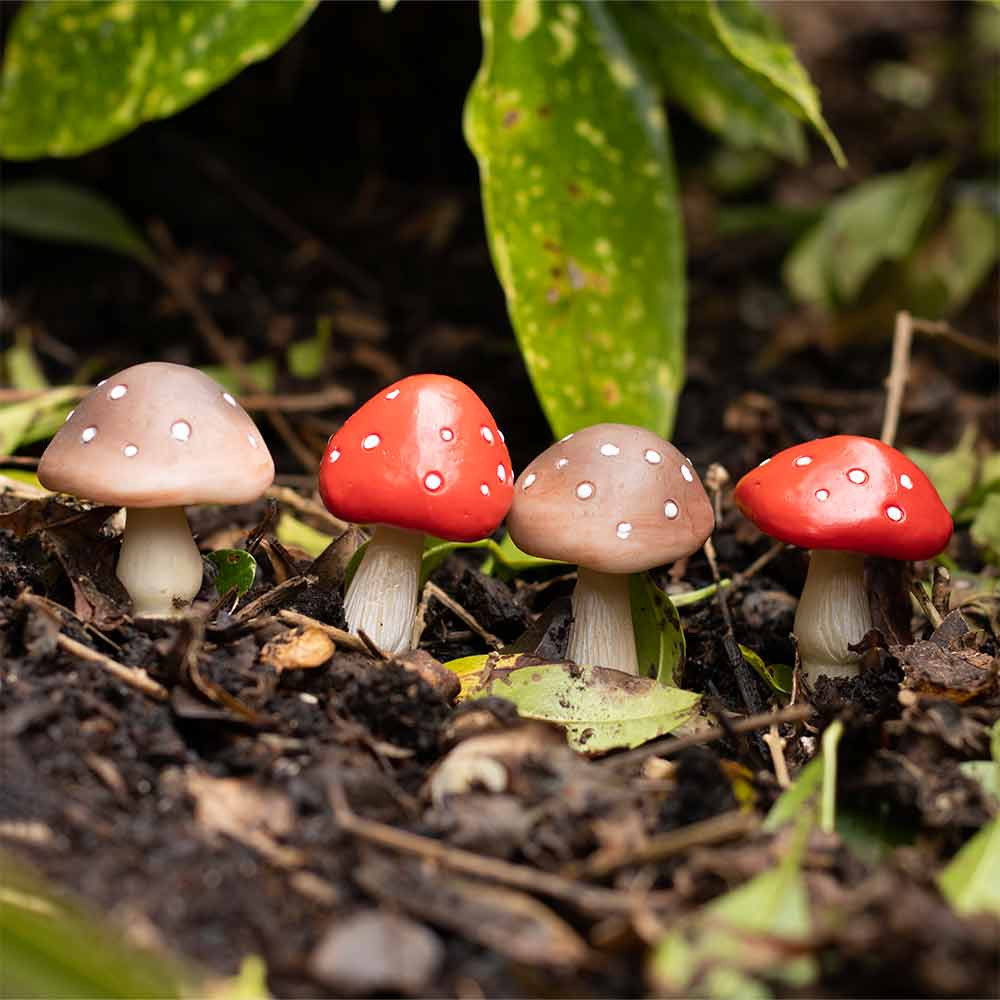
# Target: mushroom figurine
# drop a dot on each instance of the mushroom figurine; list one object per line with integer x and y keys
{"x": 422, "y": 457}
{"x": 843, "y": 497}
{"x": 155, "y": 438}
{"x": 613, "y": 499}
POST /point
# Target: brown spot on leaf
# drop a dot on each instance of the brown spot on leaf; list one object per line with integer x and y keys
{"x": 511, "y": 119}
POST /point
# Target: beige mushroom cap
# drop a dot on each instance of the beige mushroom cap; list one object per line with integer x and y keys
{"x": 611, "y": 497}
{"x": 158, "y": 435}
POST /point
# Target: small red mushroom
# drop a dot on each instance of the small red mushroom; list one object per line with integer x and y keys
{"x": 844, "y": 497}
{"x": 424, "y": 456}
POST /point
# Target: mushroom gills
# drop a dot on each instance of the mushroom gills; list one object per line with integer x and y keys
{"x": 833, "y": 613}
{"x": 159, "y": 565}
{"x": 601, "y": 634}
{"x": 381, "y": 600}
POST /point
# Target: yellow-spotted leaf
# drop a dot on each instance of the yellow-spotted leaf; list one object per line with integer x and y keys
{"x": 582, "y": 213}
{"x": 79, "y": 73}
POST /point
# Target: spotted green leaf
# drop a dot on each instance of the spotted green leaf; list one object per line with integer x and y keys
{"x": 776, "y": 675}
{"x": 600, "y": 709}
{"x": 581, "y": 210}
{"x": 65, "y": 213}
{"x": 236, "y": 569}
{"x": 78, "y": 74}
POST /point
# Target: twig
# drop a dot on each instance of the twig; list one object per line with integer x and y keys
{"x": 777, "y": 747}
{"x": 26, "y": 395}
{"x": 926, "y": 603}
{"x": 370, "y": 647}
{"x": 134, "y": 677}
{"x": 343, "y": 639}
{"x": 941, "y": 590}
{"x": 532, "y": 880}
{"x": 176, "y": 281}
{"x": 272, "y": 597}
{"x": 717, "y": 478}
{"x": 899, "y": 372}
{"x": 304, "y": 505}
{"x": 332, "y": 395}
{"x": 715, "y": 830}
{"x": 433, "y": 590}
{"x": 670, "y": 745}
{"x": 939, "y": 328}
{"x": 758, "y": 564}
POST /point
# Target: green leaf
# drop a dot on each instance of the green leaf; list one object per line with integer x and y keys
{"x": 680, "y": 46}
{"x": 582, "y": 213}
{"x": 985, "y": 527}
{"x": 952, "y": 472}
{"x": 34, "y": 419}
{"x": 21, "y": 364}
{"x": 65, "y": 213}
{"x": 659, "y": 640}
{"x": 236, "y": 570}
{"x": 291, "y": 531}
{"x": 752, "y": 40}
{"x": 53, "y": 949}
{"x": 986, "y": 773}
{"x": 953, "y": 261}
{"x": 263, "y": 371}
{"x": 755, "y": 928}
{"x": 600, "y": 709}
{"x": 815, "y": 777}
{"x": 306, "y": 357}
{"x": 877, "y": 220}
{"x": 778, "y": 676}
{"x": 971, "y": 880}
{"x": 78, "y": 74}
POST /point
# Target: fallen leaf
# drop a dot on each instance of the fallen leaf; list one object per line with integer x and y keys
{"x": 298, "y": 649}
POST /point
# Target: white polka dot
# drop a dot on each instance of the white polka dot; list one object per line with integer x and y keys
{"x": 906, "y": 482}
{"x": 130, "y": 451}
{"x": 487, "y": 434}
{"x": 894, "y": 513}
{"x": 102, "y": 382}
{"x": 335, "y": 454}
{"x": 89, "y": 433}
{"x": 562, "y": 463}
{"x": 585, "y": 490}
{"x": 447, "y": 434}
{"x": 766, "y": 460}
{"x": 252, "y": 441}
{"x": 502, "y": 438}
{"x": 501, "y": 474}
{"x": 68, "y": 415}
{"x": 372, "y": 441}
{"x": 180, "y": 430}
{"x": 653, "y": 457}
{"x": 858, "y": 476}
{"x": 433, "y": 481}
{"x": 392, "y": 395}
{"x": 670, "y": 509}
{"x": 228, "y": 398}
{"x": 528, "y": 480}
{"x": 484, "y": 489}
{"x": 568, "y": 436}
{"x": 623, "y": 530}
{"x": 610, "y": 449}
{"x": 687, "y": 474}
{"x": 117, "y": 391}
{"x": 803, "y": 460}
{"x": 822, "y": 495}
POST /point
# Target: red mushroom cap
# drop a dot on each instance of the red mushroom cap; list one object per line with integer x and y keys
{"x": 424, "y": 455}
{"x": 849, "y": 493}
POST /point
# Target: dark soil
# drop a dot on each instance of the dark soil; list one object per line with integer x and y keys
{"x": 213, "y": 824}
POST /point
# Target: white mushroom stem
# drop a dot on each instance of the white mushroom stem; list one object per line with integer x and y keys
{"x": 382, "y": 598}
{"x": 160, "y": 565}
{"x": 833, "y": 613}
{"x": 601, "y": 634}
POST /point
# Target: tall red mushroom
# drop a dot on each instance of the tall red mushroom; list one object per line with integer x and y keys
{"x": 424, "y": 456}
{"x": 844, "y": 497}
